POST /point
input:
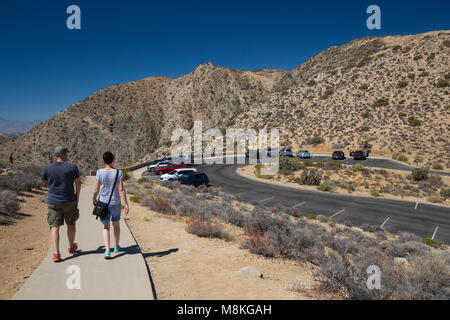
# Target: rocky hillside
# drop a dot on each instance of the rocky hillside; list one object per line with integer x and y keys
{"x": 391, "y": 91}
{"x": 133, "y": 119}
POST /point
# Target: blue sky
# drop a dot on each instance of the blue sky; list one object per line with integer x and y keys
{"x": 45, "y": 67}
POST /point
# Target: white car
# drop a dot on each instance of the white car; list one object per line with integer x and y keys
{"x": 153, "y": 167}
{"x": 174, "y": 174}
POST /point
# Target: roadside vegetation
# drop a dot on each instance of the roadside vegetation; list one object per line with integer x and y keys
{"x": 337, "y": 255}
{"x": 15, "y": 181}
{"x": 334, "y": 176}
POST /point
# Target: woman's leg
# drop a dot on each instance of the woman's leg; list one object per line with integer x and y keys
{"x": 106, "y": 226}
{"x": 116, "y": 226}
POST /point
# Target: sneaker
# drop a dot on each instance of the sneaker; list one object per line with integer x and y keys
{"x": 116, "y": 249}
{"x": 57, "y": 257}
{"x": 108, "y": 254}
{"x": 74, "y": 248}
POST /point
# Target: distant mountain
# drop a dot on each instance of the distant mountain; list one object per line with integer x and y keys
{"x": 16, "y": 126}
{"x": 390, "y": 91}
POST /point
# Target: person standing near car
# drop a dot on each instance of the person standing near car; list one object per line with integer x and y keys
{"x": 59, "y": 177}
{"x": 11, "y": 159}
{"x": 110, "y": 180}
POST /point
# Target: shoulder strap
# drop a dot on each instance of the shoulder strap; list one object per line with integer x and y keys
{"x": 114, "y": 185}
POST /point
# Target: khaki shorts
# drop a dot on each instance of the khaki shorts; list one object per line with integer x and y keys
{"x": 58, "y": 213}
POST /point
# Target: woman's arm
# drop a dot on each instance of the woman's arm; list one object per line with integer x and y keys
{"x": 96, "y": 191}
{"x": 123, "y": 195}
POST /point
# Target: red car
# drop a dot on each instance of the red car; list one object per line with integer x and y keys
{"x": 168, "y": 168}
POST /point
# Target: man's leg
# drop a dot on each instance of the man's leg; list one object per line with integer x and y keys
{"x": 55, "y": 238}
{"x": 71, "y": 230}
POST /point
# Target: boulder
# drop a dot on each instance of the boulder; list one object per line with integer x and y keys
{"x": 252, "y": 271}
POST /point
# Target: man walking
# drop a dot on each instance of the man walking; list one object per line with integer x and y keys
{"x": 62, "y": 201}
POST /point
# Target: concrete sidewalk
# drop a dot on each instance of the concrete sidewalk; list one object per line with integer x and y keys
{"x": 125, "y": 276}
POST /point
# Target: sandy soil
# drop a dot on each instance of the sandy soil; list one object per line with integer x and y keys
{"x": 185, "y": 266}
{"x": 249, "y": 172}
{"x": 23, "y": 244}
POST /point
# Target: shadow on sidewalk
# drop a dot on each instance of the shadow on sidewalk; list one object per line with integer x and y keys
{"x": 160, "y": 254}
{"x": 134, "y": 249}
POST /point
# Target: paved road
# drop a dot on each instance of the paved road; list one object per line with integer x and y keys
{"x": 125, "y": 276}
{"x": 396, "y": 215}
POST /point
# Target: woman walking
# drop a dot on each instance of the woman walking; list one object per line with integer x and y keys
{"x": 107, "y": 179}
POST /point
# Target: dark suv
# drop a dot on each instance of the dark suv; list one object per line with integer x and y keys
{"x": 194, "y": 179}
{"x": 338, "y": 155}
{"x": 359, "y": 155}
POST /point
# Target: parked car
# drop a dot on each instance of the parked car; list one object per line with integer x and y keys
{"x": 359, "y": 155}
{"x": 168, "y": 168}
{"x": 338, "y": 155}
{"x": 193, "y": 179}
{"x": 252, "y": 153}
{"x": 286, "y": 152}
{"x": 303, "y": 154}
{"x": 163, "y": 163}
{"x": 173, "y": 175}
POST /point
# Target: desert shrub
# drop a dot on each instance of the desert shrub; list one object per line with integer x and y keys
{"x": 258, "y": 168}
{"x": 127, "y": 175}
{"x": 406, "y": 249}
{"x": 311, "y": 83}
{"x": 396, "y": 48}
{"x": 402, "y": 84}
{"x": 326, "y": 186}
{"x": 437, "y": 166}
{"x": 445, "y": 193}
{"x": 358, "y": 167}
{"x": 328, "y": 92}
{"x": 258, "y": 243}
{"x": 363, "y": 61}
{"x": 315, "y": 140}
{"x": 442, "y": 83}
{"x": 402, "y": 157}
{"x": 414, "y": 122}
{"x": 289, "y": 164}
{"x": 143, "y": 179}
{"x": 158, "y": 204}
{"x": 419, "y": 174}
{"x": 434, "y": 198}
{"x": 230, "y": 215}
{"x": 20, "y": 182}
{"x": 205, "y": 228}
{"x": 374, "y": 192}
{"x": 338, "y": 146}
{"x": 404, "y": 236}
{"x": 418, "y": 57}
{"x": 435, "y": 180}
{"x": 8, "y": 202}
{"x": 310, "y": 177}
{"x": 431, "y": 242}
{"x": 446, "y": 43}
{"x": 135, "y": 199}
{"x": 368, "y": 228}
{"x": 380, "y": 102}
{"x": 364, "y": 86}
{"x": 333, "y": 165}
{"x": 364, "y": 129}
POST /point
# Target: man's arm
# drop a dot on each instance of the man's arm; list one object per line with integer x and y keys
{"x": 78, "y": 188}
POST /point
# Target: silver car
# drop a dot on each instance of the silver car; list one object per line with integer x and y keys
{"x": 286, "y": 152}
{"x": 303, "y": 154}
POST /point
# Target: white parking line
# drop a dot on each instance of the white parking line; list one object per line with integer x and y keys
{"x": 334, "y": 215}
{"x": 382, "y": 225}
{"x": 266, "y": 199}
{"x": 298, "y": 204}
{"x": 434, "y": 233}
{"x": 417, "y": 203}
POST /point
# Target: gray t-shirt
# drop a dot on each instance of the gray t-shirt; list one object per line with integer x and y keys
{"x": 106, "y": 179}
{"x": 60, "y": 177}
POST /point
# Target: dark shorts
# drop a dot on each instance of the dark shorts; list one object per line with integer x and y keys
{"x": 58, "y": 213}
